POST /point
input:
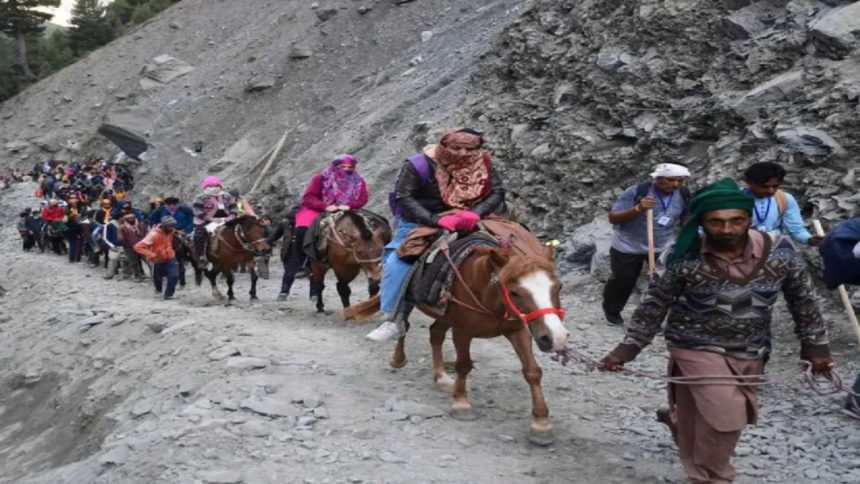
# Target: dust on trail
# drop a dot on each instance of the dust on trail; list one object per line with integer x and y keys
{"x": 273, "y": 392}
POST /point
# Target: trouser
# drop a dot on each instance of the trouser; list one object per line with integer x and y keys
{"x": 626, "y": 269}
{"x": 28, "y": 241}
{"x": 394, "y": 270}
{"x": 853, "y": 403}
{"x": 76, "y": 246}
{"x": 133, "y": 263}
{"x": 168, "y": 269}
{"x": 710, "y": 418}
{"x": 295, "y": 259}
{"x": 199, "y": 241}
{"x": 114, "y": 259}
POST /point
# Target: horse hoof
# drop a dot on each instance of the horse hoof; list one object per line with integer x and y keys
{"x": 463, "y": 414}
{"x": 395, "y": 363}
{"x": 445, "y": 383}
{"x": 541, "y": 437}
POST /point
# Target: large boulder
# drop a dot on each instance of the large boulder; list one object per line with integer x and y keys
{"x": 809, "y": 141}
{"x": 128, "y": 128}
{"x": 165, "y": 69}
{"x": 835, "y": 34}
{"x": 780, "y": 88}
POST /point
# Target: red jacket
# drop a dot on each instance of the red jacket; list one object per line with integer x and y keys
{"x": 53, "y": 214}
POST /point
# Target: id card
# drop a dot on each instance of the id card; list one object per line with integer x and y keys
{"x": 664, "y": 221}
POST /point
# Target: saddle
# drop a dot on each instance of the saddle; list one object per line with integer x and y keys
{"x": 213, "y": 228}
{"x": 431, "y": 278}
{"x": 315, "y": 244}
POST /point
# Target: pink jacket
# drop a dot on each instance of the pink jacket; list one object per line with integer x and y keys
{"x": 313, "y": 204}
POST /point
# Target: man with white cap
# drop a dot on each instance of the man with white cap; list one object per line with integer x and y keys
{"x": 667, "y": 196}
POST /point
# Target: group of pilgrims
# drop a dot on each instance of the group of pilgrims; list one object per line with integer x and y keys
{"x": 725, "y": 253}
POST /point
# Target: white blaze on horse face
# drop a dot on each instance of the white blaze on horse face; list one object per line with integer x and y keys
{"x": 539, "y": 285}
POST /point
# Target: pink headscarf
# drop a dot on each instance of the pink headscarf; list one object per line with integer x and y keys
{"x": 341, "y": 187}
{"x": 211, "y": 181}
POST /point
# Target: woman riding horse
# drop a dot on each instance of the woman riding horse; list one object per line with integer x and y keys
{"x": 452, "y": 186}
{"x": 337, "y": 187}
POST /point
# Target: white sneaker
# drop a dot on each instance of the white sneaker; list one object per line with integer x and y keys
{"x": 387, "y": 330}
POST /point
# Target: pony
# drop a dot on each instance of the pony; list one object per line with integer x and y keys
{"x": 353, "y": 244}
{"x": 236, "y": 242}
{"x": 496, "y": 292}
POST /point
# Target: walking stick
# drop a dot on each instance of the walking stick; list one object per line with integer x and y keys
{"x": 843, "y": 293}
{"x": 652, "y": 263}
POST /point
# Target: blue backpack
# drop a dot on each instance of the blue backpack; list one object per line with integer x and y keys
{"x": 422, "y": 168}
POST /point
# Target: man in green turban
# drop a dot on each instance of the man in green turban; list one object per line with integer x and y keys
{"x": 718, "y": 292}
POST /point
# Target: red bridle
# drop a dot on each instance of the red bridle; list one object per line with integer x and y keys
{"x": 525, "y": 318}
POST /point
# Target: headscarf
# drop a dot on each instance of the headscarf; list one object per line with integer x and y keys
{"x": 721, "y": 195}
{"x": 462, "y": 179}
{"x": 211, "y": 181}
{"x": 670, "y": 170}
{"x": 341, "y": 187}
{"x": 168, "y": 222}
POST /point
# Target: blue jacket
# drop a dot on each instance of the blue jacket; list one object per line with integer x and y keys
{"x": 837, "y": 250}
{"x": 122, "y": 203}
{"x": 184, "y": 217}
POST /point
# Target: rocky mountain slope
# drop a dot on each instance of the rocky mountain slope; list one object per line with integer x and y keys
{"x": 367, "y": 77}
{"x": 101, "y": 383}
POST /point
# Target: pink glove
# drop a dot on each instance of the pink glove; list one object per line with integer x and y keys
{"x": 448, "y": 222}
{"x": 467, "y": 219}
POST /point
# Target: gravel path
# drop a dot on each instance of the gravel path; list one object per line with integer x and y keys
{"x": 104, "y": 383}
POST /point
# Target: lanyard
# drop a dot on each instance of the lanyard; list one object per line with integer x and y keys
{"x": 760, "y": 219}
{"x": 663, "y": 204}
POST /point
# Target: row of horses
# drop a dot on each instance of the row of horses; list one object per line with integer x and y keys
{"x": 498, "y": 291}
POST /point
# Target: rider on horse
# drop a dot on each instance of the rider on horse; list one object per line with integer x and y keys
{"x": 452, "y": 187}
{"x": 213, "y": 203}
{"x": 336, "y": 187}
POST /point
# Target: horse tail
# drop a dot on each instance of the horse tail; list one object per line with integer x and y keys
{"x": 362, "y": 311}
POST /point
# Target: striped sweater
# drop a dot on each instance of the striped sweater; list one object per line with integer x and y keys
{"x": 708, "y": 310}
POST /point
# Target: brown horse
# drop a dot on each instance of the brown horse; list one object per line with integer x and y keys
{"x": 498, "y": 292}
{"x": 237, "y": 242}
{"x": 354, "y": 244}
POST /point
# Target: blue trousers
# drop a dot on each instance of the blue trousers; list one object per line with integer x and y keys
{"x": 170, "y": 270}
{"x": 394, "y": 269}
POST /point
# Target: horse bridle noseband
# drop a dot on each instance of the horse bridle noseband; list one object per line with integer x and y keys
{"x": 240, "y": 236}
{"x": 511, "y": 307}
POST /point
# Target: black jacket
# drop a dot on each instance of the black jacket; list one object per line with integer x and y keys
{"x": 421, "y": 202}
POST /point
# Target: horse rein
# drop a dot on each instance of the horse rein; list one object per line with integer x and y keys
{"x": 240, "y": 236}
{"x": 339, "y": 241}
{"x": 510, "y": 306}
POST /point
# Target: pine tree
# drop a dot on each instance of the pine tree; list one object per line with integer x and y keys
{"x": 90, "y": 27}
{"x": 18, "y": 18}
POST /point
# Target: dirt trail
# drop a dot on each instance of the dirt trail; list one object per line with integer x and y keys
{"x": 108, "y": 399}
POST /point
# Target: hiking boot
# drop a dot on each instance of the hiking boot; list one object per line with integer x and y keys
{"x": 614, "y": 319}
{"x": 387, "y": 330}
{"x": 664, "y": 418}
{"x": 283, "y": 296}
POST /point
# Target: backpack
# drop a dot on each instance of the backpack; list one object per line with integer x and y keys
{"x": 422, "y": 168}
{"x": 643, "y": 188}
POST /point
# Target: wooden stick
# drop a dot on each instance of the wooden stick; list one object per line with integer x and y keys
{"x": 652, "y": 260}
{"x": 275, "y": 154}
{"x": 843, "y": 293}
